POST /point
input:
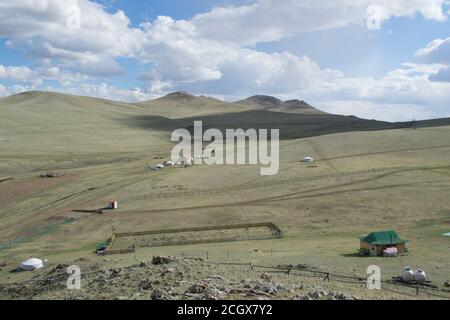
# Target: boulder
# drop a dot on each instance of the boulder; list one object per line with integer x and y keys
{"x": 268, "y": 288}
{"x": 161, "y": 260}
{"x": 160, "y": 294}
{"x": 266, "y": 277}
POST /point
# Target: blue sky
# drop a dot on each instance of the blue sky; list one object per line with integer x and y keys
{"x": 380, "y": 59}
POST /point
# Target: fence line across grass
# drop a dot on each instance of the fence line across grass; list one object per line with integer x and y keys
{"x": 281, "y": 181}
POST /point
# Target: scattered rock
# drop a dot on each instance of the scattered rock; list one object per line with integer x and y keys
{"x": 266, "y": 277}
{"x": 160, "y": 294}
{"x": 197, "y": 288}
{"x": 61, "y": 266}
{"x": 268, "y": 288}
{"x": 146, "y": 285}
{"x": 161, "y": 260}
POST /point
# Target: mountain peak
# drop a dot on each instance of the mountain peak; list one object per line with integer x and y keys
{"x": 261, "y": 100}
{"x": 274, "y": 104}
{"x": 179, "y": 95}
{"x": 299, "y": 104}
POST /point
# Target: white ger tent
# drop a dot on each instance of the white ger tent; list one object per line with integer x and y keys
{"x": 31, "y": 264}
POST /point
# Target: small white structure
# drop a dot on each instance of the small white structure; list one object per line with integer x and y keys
{"x": 31, "y": 264}
{"x": 113, "y": 204}
{"x": 407, "y": 275}
{"x": 419, "y": 276}
{"x": 169, "y": 164}
{"x": 188, "y": 161}
{"x": 308, "y": 159}
{"x": 157, "y": 167}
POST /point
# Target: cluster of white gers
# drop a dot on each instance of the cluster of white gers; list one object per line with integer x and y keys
{"x": 231, "y": 150}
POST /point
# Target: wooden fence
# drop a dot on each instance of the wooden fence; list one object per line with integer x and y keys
{"x": 281, "y": 181}
{"x": 274, "y": 233}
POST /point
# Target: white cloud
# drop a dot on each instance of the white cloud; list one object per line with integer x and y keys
{"x": 15, "y": 73}
{"x": 14, "y": 89}
{"x": 37, "y": 76}
{"x": 102, "y": 90}
{"x": 270, "y": 20}
{"x": 208, "y": 54}
{"x": 81, "y": 34}
{"x": 106, "y": 91}
{"x": 73, "y": 33}
{"x": 437, "y": 51}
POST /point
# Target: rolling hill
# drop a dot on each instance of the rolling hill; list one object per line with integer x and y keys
{"x": 274, "y": 104}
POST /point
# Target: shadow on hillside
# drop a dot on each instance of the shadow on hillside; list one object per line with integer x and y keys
{"x": 291, "y": 125}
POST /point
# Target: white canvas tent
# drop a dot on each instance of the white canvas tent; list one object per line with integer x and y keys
{"x": 31, "y": 264}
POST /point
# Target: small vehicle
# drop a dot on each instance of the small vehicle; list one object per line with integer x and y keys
{"x": 101, "y": 249}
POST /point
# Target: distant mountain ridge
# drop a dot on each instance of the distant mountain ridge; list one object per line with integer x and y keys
{"x": 184, "y": 98}
{"x": 176, "y": 105}
{"x": 274, "y": 104}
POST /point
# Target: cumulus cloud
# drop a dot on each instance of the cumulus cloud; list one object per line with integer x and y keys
{"x": 269, "y": 20}
{"x": 211, "y": 54}
{"x": 10, "y": 90}
{"x": 73, "y": 33}
{"x": 437, "y": 51}
{"x": 15, "y": 72}
{"x": 102, "y": 90}
{"x": 37, "y": 76}
{"x": 106, "y": 91}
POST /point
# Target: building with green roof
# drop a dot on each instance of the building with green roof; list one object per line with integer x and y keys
{"x": 375, "y": 243}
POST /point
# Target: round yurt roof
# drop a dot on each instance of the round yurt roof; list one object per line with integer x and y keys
{"x": 32, "y": 263}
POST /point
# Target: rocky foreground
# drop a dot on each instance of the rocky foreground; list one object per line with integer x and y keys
{"x": 170, "y": 278}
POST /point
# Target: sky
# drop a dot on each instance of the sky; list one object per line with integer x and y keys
{"x": 377, "y": 59}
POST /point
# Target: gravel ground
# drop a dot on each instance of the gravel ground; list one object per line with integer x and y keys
{"x": 170, "y": 278}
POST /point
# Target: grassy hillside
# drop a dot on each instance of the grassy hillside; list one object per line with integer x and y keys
{"x": 181, "y": 104}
